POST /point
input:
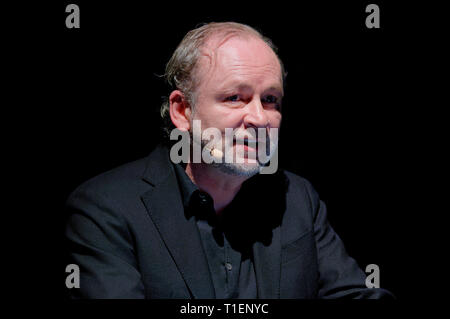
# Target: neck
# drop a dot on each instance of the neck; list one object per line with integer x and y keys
{"x": 221, "y": 186}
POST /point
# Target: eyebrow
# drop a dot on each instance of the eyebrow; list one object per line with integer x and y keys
{"x": 276, "y": 88}
{"x": 232, "y": 85}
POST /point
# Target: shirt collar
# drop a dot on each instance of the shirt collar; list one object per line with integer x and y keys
{"x": 187, "y": 187}
{"x": 254, "y": 192}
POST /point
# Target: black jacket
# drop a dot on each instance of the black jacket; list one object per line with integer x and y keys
{"x": 128, "y": 233}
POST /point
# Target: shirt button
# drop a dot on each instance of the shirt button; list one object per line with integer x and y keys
{"x": 203, "y": 198}
{"x": 228, "y": 266}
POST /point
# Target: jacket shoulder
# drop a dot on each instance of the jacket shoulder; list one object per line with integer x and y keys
{"x": 299, "y": 184}
{"x": 113, "y": 183}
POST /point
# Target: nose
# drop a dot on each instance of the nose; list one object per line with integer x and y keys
{"x": 256, "y": 115}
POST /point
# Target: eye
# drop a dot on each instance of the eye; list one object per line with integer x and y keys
{"x": 232, "y": 98}
{"x": 270, "y": 99}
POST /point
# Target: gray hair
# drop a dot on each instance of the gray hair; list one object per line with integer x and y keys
{"x": 181, "y": 69}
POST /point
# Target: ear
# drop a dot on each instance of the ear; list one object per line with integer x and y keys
{"x": 180, "y": 110}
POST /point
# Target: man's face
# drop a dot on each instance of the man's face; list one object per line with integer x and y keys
{"x": 240, "y": 88}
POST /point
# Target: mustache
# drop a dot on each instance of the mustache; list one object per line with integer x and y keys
{"x": 251, "y": 136}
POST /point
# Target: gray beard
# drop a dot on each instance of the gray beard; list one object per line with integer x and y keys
{"x": 235, "y": 169}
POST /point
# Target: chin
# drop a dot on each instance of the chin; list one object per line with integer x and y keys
{"x": 238, "y": 169}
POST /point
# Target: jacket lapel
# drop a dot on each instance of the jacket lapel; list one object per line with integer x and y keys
{"x": 267, "y": 263}
{"x": 180, "y": 235}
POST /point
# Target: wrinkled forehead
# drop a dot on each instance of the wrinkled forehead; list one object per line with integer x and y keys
{"x": 236, "y": 55}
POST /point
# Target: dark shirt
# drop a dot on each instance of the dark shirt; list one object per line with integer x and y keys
{"x": 229, "y": 257}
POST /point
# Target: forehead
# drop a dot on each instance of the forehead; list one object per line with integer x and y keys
{"x": 239, "y": 58}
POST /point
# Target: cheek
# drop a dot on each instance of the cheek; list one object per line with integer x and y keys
{"x": 220, "y": 117}
{"x": 203, "y": 113}
{"x": 275, "y": 119}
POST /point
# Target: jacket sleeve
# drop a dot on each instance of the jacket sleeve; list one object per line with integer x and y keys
{"x": 339, "y": 274}
{"x": 98, "y": 241}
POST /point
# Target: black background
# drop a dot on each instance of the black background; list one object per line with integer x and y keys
{"x": 351, "y": 124}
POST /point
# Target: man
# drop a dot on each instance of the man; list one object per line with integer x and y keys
{"x": 158, "y": 229}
